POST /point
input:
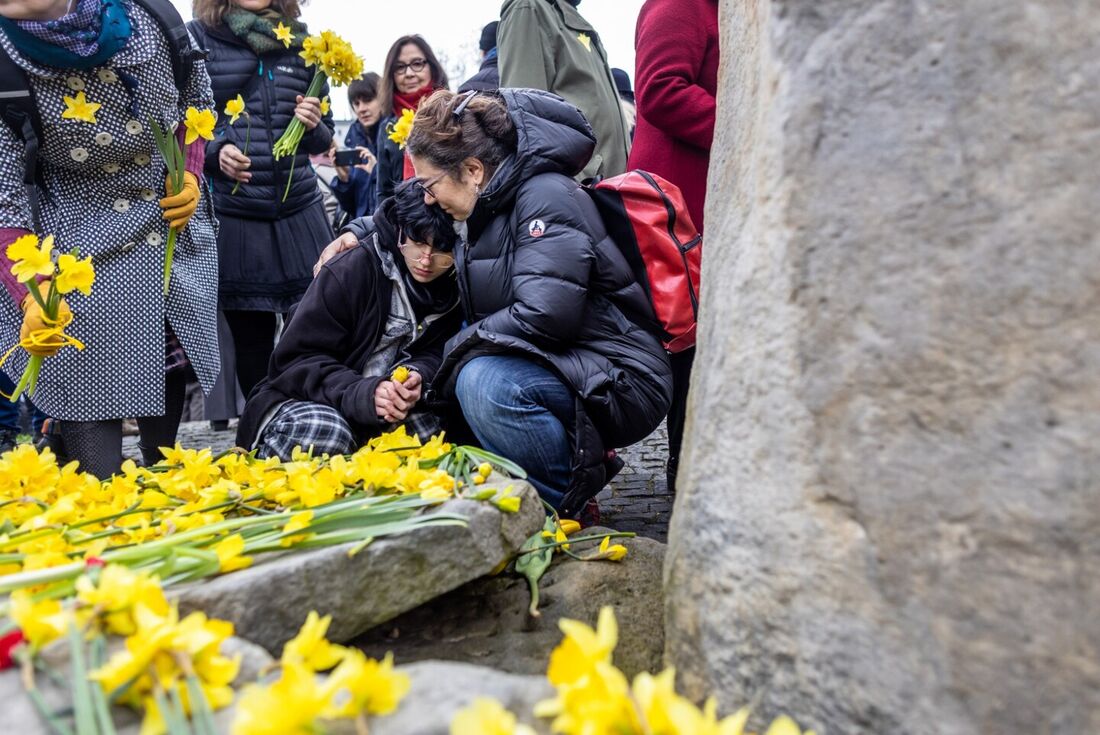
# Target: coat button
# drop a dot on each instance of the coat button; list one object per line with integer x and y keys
{"x": 75, "y": 83}
{"x": 107, "y": 76}
{"x": 153, "y": 238}
{"x": 134, "y": 127}
{"x": 128, "y": 247}
{"x": 80, "y": 155}
{"x": 148, "y": 194}
{"x": 142, "y": 159}
{"x": 103, "y": 138}
{"x": 111, "y": 168}
{"x": 121, "y": 205}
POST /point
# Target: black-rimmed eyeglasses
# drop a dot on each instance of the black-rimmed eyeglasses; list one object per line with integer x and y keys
{"x": 417, "y": 65}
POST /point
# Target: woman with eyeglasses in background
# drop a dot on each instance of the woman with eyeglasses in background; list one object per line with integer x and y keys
{"x": 412, "y": 73}
{"x": 390, "y": 300}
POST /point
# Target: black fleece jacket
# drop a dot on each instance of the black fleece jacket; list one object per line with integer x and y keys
{"x": 332, "y": 333}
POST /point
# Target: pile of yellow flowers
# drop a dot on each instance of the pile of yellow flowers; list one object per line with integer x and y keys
{"x": 197, "y": 514}
{"x": 594, "y": 697}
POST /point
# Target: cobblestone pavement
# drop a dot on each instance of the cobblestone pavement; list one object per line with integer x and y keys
{"x": 636, "y": 500}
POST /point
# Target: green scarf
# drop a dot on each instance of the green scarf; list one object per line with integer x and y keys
{"x": 258, "y": 30}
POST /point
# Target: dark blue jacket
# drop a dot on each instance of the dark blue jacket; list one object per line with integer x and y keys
{"x": 487, "y": 77}
{"x": 269, "y": 85}
{"x": 540, "y": 276}
{"x": 358, "y": 195}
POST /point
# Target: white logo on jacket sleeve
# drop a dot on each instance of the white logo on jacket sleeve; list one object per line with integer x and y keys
{"x": 536, "y": 228}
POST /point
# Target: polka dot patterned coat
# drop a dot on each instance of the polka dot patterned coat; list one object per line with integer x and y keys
{"x": 103, "y": 181}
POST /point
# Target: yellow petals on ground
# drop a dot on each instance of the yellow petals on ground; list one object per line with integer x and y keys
{"x": 290, "y": 706}
{"x": 74, "y": 274}
{"x": 41, "y": 622}
{"x": 199, "y": 124}
{"x": 234, "y": 108}
{"x": 282, "y": 32}
{"x": 230, "y": 552}
{"x": 79, "y": 108}
{"x": 310, "y": 648}
{"x": 362, "y": 685}
{"x": 114, "y": 591}
{"x": 614, "y": 552}
{"x": 485, "y": 716}
{"x": 569, "y": 526}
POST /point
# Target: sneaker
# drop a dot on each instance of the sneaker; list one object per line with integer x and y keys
{"x": 51, "y": 438}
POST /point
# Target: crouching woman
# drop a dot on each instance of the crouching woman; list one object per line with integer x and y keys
{"x": 388, "y": 301}
{"x": 553, "y": 369}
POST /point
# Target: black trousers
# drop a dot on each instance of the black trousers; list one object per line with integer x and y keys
{"x": 253, "y": 343}
{"x": 677, "y": 412}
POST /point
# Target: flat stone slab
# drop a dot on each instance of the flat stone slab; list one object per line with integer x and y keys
{"x": 269, "y": 601}
{"x": 485, "y": 622}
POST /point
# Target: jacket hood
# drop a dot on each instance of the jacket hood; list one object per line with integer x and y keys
{"x": 553, "y": 136}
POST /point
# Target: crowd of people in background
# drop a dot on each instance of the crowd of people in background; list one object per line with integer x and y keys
{"x": 468, "y": 255}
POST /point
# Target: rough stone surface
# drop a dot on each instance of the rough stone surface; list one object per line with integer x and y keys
{"x": 269, "y": 601}
{"x": 485, "y": 622}
{"x": 888, "y": 517}
{"x": 19, "y": 717}
{"x": 636, "y": 500}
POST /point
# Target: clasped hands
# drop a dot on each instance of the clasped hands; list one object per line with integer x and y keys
{"x": 393, "y": 400}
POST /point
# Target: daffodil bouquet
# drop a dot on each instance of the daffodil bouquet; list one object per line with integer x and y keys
{"x": 334, "y": 59}
{"x": 30, "y": 260}
{"x": 198, "y": 124}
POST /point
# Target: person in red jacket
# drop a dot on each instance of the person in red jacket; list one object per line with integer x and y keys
{"x": 676, "y": 81}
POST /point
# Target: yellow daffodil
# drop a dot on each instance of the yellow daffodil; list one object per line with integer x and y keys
{"x": 115, "y": 593}
{"x": 333, "y": 56}
{"x": 199, "y": 124}
{"x": 485, "y": 469}
{"x": 361, "y": 685}
{"x": 558, "y": 536}
{"x": 608, "y": 550}
{"x": 74, "y": 274}
{"x": 29, "y": 258}
{"x": 283, "y": 33}
{"x": 325, "y": 105}
{"x": 289, "y": 706}
{"x": 41, "y": 622}
{"x": 400, "y": 374}
{"x": 569, "y": 526}
{"x": 79, "y": 108}
{"x": 398, "y": 131}
{"x": 485, "y": 716}
{"x": 582, "y": 647}
{"x": 309, "y": 648}
{"x": 234, "y": 108}
{"x": 597, "y": 702}
{"x": 507, "y": 501}
{"x": 229, "y": 551}
{"x": 784, "y": 725}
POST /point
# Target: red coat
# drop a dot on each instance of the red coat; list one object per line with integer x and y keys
{"x": 676, "y": 81}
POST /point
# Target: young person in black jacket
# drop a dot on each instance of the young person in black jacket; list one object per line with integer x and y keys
{"x": 554, "y": 368}
{"x": 389, "y": 301}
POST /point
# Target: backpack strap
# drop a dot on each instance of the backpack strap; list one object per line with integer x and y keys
{"x": 180, "y": 50}
{"x": 20, "y": 113}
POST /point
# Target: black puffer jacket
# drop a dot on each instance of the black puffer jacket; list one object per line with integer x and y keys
{"x": 390, "y": 169}
{"x": 539, "y": 275}
{"x": 269, "y": 85}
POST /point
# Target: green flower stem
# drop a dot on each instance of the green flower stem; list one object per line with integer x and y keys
{"x": 579, "y": 539}
{"x": 247, "y": 142}
{"x": 102, "y": 709}
{"x": 287, "y": 144}
{"x": 169, "y": 253}
{"x": 83, "y": 710}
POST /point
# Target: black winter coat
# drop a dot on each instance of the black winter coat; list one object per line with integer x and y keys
{"x": 486, "y": 79}
{"x": 333, "y": 331}
{"x": 390, "y": 169}
{"x": 539, "y": 275}
{"x": 269, "y": 85}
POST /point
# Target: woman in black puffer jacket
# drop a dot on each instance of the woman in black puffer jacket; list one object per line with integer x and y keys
{"x": 266, "y": 244}
{"x": 551, "y": 371}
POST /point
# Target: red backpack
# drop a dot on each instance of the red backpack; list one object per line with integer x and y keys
{"x": 648, "y": 220}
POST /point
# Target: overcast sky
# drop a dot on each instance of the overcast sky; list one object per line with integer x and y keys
{"x": 452, "y": 27}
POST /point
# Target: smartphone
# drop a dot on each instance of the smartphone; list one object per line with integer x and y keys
{"x": 349, "y": 157}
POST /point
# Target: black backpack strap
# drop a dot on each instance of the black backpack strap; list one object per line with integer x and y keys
{"x": 20, "y": 113}
{"x": 181, "y": 51}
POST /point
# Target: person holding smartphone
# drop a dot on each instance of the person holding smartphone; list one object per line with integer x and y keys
{"x": 354, "y": 185}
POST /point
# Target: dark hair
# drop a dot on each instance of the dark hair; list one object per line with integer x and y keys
{"x": 439, "y": 77}
{"x": 364, "y": 89}
{"x": 423, "y": 222}
{"x": 212, "y": 12}
{"x": 483, "y": 130}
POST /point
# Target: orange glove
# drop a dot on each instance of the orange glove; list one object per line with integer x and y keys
{"x": 179, "y": 207}
{"x": 34, "y": 319}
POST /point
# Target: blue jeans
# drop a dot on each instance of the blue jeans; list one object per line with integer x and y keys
{"x": 520, "y": 410}
{"x": 9, "y": 412}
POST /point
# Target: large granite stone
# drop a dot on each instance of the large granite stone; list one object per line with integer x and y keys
{"x": 269, "y": 601}
{"x": 888, "y": 514}
{"x": 485, "y": 622}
